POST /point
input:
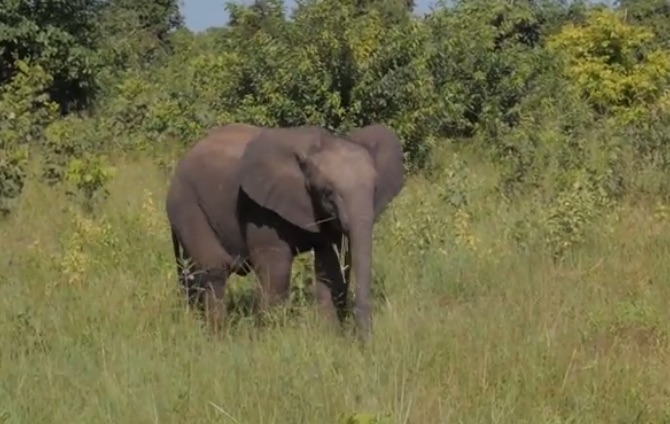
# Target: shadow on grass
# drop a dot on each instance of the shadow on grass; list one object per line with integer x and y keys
{"x": 243, "y": 305}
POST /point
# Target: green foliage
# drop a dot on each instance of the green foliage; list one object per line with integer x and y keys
{"x": 362, "y": 418}
{"x": 335, "y": 67}
{"x": 24, "y": 110}
{"x": 89, "y": 175}
{"x": 455, "y": 182}
{"x": 71, "y": 156}
{"x": 134, "y": 35}
{"x": 652, "y": 14}
{"x": 25, "y": 103}
{"x": 571, "y": 215}
{"x": 614, "y": 65}
{"x": 83, "y": 44}
{"x": 487, "y": 54}
{"x": 62, "y": 142}
{"x": 12, "y": 177}
{"x": 59, "y": 36}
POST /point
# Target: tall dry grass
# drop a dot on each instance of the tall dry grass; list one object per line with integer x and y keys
{"x": 474, "y": 325}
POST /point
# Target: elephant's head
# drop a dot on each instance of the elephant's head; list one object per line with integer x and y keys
{"x": 308, "y": 175}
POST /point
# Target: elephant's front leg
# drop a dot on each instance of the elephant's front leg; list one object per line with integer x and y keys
{"x": 272, "y": 266}
{"x": 331, "y": 287}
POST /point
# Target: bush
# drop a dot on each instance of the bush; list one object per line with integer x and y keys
{"x": 24, "y": 111}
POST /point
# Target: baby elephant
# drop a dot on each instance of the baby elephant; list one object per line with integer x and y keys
{"x": 250, "y": 198}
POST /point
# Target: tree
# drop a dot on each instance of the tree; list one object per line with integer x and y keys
{"x": 615, "y": 66}
{"x": 653, "y": 14}
{"x": 58, "y": 35}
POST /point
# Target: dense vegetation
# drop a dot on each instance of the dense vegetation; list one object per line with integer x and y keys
{"x": 521, "y": 276}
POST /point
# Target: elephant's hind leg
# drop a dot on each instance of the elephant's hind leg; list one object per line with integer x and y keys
{"x": 211, "y": 286}
{"x": 211, "y": 269}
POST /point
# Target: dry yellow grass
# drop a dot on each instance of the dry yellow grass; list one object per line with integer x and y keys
{"x": 473, "y": 330}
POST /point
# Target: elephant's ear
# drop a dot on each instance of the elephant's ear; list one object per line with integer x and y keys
{"x": 386, "y": 150}
{"x": 271, "y": 176}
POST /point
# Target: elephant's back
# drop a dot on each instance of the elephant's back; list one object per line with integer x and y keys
{"x": 226, "y": 143}
{"x": 209, "y": 171}
{"x": 210, "y": 165}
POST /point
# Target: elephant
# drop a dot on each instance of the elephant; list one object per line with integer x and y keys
{"x": 249, "y": 198}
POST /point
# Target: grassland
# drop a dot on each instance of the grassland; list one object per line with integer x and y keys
{"x": 475, "y": 327}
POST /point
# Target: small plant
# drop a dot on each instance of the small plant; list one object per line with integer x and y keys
{"x": 12, "y": 177}
{"x": 568, "y": 219}
{"x": 60, "y": 145}
{"x": 363, "y": 418}
{"x": 455, "y": 191}
{"x": 89, "y": 176}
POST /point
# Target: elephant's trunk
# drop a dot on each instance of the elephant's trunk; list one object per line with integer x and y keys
{"x": 360, "y": 240}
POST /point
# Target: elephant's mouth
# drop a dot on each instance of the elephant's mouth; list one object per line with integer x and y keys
{"x": 331, "y": 225}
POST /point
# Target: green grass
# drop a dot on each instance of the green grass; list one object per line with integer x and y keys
{"x": 474, "y": 328}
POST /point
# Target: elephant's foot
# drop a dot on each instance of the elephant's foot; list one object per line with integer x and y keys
{"x": 207, "y": 294}
{"x": 215, "y": 307}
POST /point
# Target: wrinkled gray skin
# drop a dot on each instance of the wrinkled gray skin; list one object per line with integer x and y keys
{"x": 253, "y": 198}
